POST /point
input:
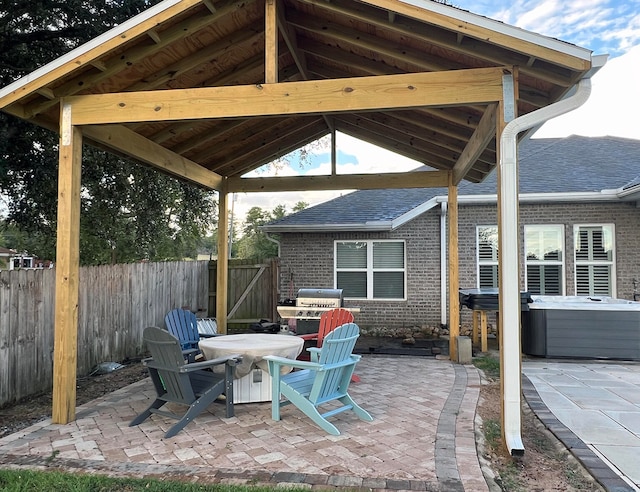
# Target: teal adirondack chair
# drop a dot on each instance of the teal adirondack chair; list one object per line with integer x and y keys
{"x": 194, "y": 385}
{"x": 324, "y": 379}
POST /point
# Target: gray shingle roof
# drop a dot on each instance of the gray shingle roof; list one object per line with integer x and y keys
{"x": 548, "y": 165}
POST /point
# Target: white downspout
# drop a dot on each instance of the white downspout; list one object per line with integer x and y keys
{"x": 443, "y": 264}
{"x": 509, "y": 258}
{"x": 273, "y": 240}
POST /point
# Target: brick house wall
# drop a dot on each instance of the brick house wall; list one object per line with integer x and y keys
{"x": 307, "y": 259}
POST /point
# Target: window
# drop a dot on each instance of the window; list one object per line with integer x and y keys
{"x": 544, "y": 246}
{"x": 487, "y": 248}
{"x": 594, "y": 258}
{"x": 371, "y": 269}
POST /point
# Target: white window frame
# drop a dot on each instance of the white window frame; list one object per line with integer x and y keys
{"x": 369, "y": 268}
{"x": 611, "y": 263}
{"x": 479, "y": 261}
{"x": 542, "y": 228}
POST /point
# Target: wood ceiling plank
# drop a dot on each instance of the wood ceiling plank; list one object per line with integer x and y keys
{"x": 494, "y": 37}
{"x": 457, "y": 87}
{"x": 171, "y": 72}
{"x": 124, "y": 140}
{"x": 404, "y": 27}
{"x": 341, "y": 35}
{"x": 255, "y": 137}
{"x": 113, "y": 65}
{"x": 209, "y": 136}
{"x": 404, "y": 133}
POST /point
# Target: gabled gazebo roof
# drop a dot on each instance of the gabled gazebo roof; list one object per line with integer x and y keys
{"x": 341, "y": 47}
{"x": 208, "y": 90}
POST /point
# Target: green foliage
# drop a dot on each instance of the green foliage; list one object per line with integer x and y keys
{"x": 254, "y": 243}
{"x": 128, "y": 211}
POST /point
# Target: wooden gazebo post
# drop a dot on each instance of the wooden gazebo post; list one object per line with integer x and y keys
{"x": 454, "y": 281}
{"x": 222, "y": 268}
{"x": 65, "y": 359}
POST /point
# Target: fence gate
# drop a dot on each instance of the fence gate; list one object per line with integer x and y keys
{"x": 252, "y": 294}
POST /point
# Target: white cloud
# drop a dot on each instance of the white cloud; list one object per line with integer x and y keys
{"x": 613, "y": 106}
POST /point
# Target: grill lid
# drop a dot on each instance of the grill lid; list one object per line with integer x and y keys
{"x": 319, "y": 294}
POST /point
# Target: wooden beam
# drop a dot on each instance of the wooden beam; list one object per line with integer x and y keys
{"x": 124, "y": 140}
{"x": 222, "y": 264}
{"x": 456, "y": 87}
{"x": 477, "y": 144}
{"x": 454, "y": 275}
{"x": 271, "y": 42}
{"x": 65, "y": 354}
{"x": 424, "y": 179}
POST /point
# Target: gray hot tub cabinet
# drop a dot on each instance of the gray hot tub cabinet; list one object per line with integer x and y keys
{"x": 582, "y": 327}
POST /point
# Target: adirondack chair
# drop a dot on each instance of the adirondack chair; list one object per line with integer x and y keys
{"x": 183, "y": 325}
{"x": 179, "y": 382}
{"x": 322, "y": 380}
{"x": 329, "y": 321}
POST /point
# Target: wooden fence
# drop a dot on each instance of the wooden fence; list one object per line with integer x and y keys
{"x": 116, "y": 303}
{"x": 252, "y": 294}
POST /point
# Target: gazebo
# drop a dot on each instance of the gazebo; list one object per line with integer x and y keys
{"x": 208, "y": 90}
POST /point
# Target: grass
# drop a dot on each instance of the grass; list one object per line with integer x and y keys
{"x": 46, "y": 481}
{"x": 489, "y": 365}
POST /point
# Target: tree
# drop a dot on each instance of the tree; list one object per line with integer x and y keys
{"x": 254, "y": 243}
{"x": 128, "y": 211}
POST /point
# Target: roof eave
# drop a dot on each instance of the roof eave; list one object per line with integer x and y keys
{"x": 618, "y": 195}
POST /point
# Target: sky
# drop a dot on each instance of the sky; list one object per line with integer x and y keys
{"x": 610, "y": 27}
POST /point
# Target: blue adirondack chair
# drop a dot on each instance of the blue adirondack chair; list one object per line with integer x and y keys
{"x": 183, "y": 325}
{"x": 324, "y": 379}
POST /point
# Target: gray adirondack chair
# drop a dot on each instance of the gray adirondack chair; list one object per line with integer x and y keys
{"x": 324, "y": 379}
{"x": 180, "y": 382}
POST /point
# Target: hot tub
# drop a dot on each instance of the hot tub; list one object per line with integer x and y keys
{"x": 582, "y": 327}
